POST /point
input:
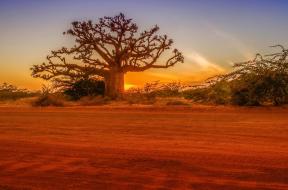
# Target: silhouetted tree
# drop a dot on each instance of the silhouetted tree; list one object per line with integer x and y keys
{"x": 109, "y": 49}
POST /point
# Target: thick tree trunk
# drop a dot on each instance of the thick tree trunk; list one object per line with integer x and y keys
{"x": 114, "y": 84}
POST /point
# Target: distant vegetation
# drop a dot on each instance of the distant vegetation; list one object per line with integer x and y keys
{"x": 11, "y": 92}
{"x": 151, "y": 91}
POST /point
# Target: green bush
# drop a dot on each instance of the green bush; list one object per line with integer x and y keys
{"x": 248, "y": 90}
{"x": 197, "y": 94}
{"x": 261, "y": 80}
{"x": 278, "y": 88}
{"x": 218, "y": 93}
{"x": 255, "y": 89}
{"x": 243, "y": 97}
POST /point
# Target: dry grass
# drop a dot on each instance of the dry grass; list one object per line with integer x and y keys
{"x": 93, "y": 101}
{"x": 48, "y": 100}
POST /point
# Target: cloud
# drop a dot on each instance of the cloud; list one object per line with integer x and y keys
{"x": 196, "y": 68}
{"x": 202, "y": 63}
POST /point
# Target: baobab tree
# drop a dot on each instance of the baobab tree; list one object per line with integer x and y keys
{"x": 108, "y": 49}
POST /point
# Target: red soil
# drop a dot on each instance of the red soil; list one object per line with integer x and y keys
{"x": 144, "y": 148}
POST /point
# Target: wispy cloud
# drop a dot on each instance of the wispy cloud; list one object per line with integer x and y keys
{"x": 196, "y": 68}
{"x": 201, "y": 63}
{"x": 236, "y": 43}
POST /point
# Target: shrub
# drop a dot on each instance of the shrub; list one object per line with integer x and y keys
{"x": 84, "y": 88}
{"x": 150, "y": 91}
{"x": 253, "y": 89}
{"x": 146, "y": 95}
{"x": 197, "y": 94}
{"x": 278, "y": 87}
{"x": 243, "y": 97}
{"x": 48, "y": 99}
{"x": 171, "y": 89}
{"x": 261, "y": 80}
{"x": 218, "y": 93}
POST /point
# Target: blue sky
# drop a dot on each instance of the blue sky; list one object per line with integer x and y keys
{"x": 212, "y": 34}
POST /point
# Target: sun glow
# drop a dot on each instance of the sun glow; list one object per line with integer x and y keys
{"x": 128, "y": 86}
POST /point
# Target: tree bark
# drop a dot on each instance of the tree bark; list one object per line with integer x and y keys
{"x": 114, "y": 84}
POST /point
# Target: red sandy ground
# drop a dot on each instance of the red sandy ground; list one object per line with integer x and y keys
{"x": 102, "y": 148}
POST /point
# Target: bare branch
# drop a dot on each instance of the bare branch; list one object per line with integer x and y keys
{"x": 260, "y": 65}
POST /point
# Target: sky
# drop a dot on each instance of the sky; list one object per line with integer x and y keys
{"x": 212, "y": 34}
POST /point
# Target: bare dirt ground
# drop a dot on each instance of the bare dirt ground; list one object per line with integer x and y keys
{"x": 201, "y": 148}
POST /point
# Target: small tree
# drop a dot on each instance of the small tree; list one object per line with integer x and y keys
{"x": 109, "y": 49}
